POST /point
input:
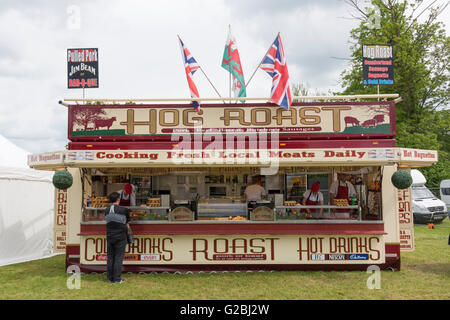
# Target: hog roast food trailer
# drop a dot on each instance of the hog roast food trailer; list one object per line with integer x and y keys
{"x": 189, "y": 172}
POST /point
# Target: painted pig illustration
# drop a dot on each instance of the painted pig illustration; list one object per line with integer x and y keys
{"x": 369, "y": 123}
{"x": 379, "y": 118}
{"x": 352, "y": 121}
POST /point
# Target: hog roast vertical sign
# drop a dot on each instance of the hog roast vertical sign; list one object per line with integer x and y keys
{"x": 59, "y": 226}
{"x": 406, "y": 222}
{"x": 82, "y": 68}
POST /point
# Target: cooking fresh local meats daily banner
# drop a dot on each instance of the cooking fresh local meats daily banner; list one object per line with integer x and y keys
{"x": 302, "y": 121}
{"x": 211, "y": 156}
{"x": 245, "y": 157}
{"x": 241, "y": 249}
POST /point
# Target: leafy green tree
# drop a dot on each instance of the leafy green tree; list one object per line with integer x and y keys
{"x": 421, "y": 71}
{"x": 303, "y": 90}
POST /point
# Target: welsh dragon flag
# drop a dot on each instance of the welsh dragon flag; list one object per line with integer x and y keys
{"x": 232, "y": 63}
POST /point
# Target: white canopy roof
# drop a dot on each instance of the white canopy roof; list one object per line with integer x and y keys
{"x": 12, "y": 155}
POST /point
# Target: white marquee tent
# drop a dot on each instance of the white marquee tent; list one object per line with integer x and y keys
{"x": 26, "y": 207}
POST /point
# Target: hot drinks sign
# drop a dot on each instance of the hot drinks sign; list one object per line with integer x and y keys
{"x": 82, "y": 68}
{"x": 302, "y": 121}
{"x": 242, "y": 249}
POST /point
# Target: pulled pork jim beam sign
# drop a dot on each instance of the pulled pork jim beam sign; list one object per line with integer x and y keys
{"x": 302, "y": 121}
{"x": 241, "y": 249}
{"x": 82, "y": 68}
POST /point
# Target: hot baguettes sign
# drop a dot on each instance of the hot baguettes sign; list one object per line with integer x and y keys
{"x": 242, "y": 249}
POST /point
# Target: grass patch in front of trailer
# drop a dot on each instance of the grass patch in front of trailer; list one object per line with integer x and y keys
{"x": 425, "y": 274}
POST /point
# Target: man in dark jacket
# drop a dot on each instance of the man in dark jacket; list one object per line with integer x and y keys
{"x": 117, "y": 219}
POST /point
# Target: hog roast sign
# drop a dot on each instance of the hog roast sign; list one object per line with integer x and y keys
{"x": 303, "y": 121}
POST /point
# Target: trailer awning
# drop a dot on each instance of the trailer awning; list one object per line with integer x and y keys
{"x": 178, "y": 157}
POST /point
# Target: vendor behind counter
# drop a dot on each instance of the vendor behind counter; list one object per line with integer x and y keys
{"x": 313, "y": 197}
{"x": 255, "y": 191}
{"x": 127, "y": 196}
{"x": 342, "y": 189}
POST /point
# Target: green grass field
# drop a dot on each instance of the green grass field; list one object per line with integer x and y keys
{"x": 425, "y": 274}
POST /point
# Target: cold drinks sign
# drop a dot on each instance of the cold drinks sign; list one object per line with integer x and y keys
{"x": 378, "y": 64}
{"x": 82, "y": 68}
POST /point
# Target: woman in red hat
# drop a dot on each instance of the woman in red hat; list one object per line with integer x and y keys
{"x": 127, "y": 196}
{"x": 313, "y": 197}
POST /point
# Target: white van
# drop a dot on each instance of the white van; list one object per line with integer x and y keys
{"x": 427, "y": 208}
{"x": 445, "y": 194}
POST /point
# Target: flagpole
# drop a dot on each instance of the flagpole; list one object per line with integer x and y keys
{"x": 201, "y": 69}
{"x": 261, "y": 61}
{"x": 229, "y": 71}
{"x": 229, "y": 84}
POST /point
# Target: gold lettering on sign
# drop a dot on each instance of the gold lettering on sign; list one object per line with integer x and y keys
{"x": 130, "y": 123}
{"x": 336, "y": 116}
{"x": 162, "y": 118}
{"x": 266, "y": 113}
{"x": 309, "y": 119}
{"x": 280, "y": 117}
{"x": 227, "y": 117}
{"x": 186, "y": 120}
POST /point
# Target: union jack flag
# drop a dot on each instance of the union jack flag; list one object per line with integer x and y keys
{"x": 274, "y": 63}
{"x": 190, "y": 66}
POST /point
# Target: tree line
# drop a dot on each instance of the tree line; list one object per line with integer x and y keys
{"x": 421, "y": 71}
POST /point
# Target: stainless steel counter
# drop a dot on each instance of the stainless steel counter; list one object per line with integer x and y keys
{"x": 97, "y": 214}
{"x": 216, "y": 208}
{"x": 309, "y": 221}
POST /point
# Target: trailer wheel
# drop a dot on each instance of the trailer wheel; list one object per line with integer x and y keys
{"x": 390, "y": 269}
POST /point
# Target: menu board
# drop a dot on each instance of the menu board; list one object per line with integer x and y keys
{"x": 82, "y": 68}
{"x": 378, "y": 64}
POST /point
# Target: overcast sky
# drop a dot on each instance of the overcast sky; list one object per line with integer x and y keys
{"x": 139, "y": 54}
